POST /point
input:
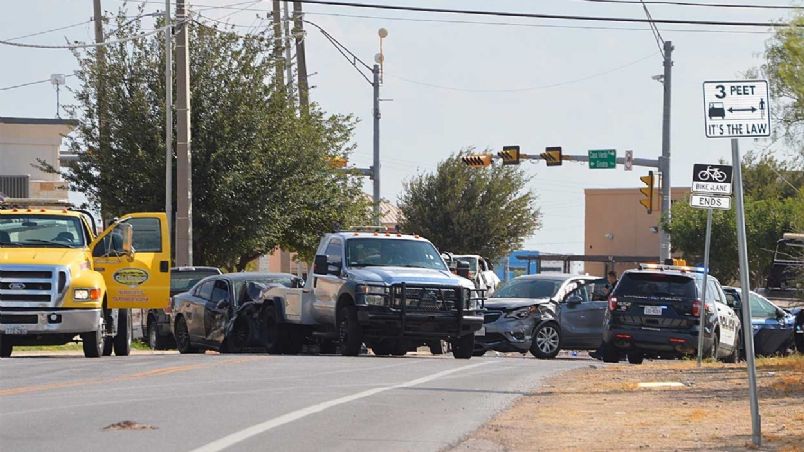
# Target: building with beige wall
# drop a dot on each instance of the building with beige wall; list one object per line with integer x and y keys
{"x": 24, "y": 141}
{"x": 616, "y": 224}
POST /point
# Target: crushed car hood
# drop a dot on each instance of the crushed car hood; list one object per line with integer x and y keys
{"x": 397, "y": 275}
{"x": 512, "y": 303}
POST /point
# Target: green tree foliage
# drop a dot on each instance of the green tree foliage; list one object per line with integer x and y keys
{"x": 774, "y": 204}
{"x": 784, "y": 67}
{"x": 464, "y": 210}
{"x": 261, "y": 177}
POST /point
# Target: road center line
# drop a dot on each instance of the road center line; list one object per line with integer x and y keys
{"x": 254, "y": 430}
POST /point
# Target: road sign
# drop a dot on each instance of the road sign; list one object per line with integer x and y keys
{"x": 602, "y": 159}
{"x": 710, "y": 202}
{"x": 552, "y": 155}
{"x": 629, "y": 160}
{"x": 711, "y": 179}
{"x": 738, "y": 108}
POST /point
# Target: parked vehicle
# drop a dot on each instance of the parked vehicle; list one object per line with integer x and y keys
{"x": 58, "y": 280}
{"x": 774, "y": 328}
{"x": 655, "y": 312}
{"x": 391, "y": 291}
{"x": 155, "y": 323}
{"x": 225, "y": 312}
{"x": 481, "y": 272}
{"x": 543, "y": 314}
{"x": 787, "y": 272}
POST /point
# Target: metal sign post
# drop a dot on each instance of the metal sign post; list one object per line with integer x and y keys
{"x": 703, "y": 289}
{"x": 733, "y": 109}
{"x": 745, "y": 289}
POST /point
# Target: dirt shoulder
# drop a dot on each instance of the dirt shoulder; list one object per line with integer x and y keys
{"x": 603, "y": 407}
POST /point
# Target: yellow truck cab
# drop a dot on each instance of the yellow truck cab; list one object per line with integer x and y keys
{"x": 59, "y": 280}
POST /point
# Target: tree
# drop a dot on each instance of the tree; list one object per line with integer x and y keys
{"x": 784, "y": 67}
{"x": 471, "y": 211}
{"x": 261, "y": 172}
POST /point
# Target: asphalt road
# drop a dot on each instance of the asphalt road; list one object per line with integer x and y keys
{"x": 256, "y": 402}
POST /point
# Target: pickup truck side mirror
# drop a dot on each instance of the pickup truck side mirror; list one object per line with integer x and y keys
{"x": 463, "y": 269}
{"x": 320, "y": 264}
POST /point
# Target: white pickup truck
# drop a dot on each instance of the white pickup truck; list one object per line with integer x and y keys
{"x": 390, "y": 291}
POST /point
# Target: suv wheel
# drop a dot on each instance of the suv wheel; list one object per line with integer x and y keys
{"x": 715, "y": 343}
{"x": 546, "y": 341}
{"x": 635, "y": 357}
{"x": 349, "y": 332}
{"x": 735, "y": 354}
{"x": 610, "y": 354}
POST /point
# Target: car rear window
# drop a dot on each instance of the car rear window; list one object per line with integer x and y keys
{"x": 656, "y": 285}
{"x": 183, "y": 281}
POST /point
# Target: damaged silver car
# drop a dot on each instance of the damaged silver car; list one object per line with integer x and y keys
{"x": 544, "y": 314}
{"x": 226, "y": 312}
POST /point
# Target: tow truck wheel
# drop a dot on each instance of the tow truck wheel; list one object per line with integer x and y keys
{"x": 349, "y": 332}
{"x": 94, "y": 343}
{"x": 463, "y": 347}
{"x": 122, "y": 341}
{"x": 5, "y": 346}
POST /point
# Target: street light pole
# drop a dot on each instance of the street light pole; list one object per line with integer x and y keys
{"x": 664, "y": 161}
{"x": 375, "y": 168}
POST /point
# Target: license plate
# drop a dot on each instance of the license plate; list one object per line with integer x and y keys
{"x": 481, "y": 331}
{"x": 16, "y": 330}
{"x": 653, "y": 310}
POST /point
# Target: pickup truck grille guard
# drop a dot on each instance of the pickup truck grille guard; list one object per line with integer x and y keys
{"x": 33, "y": 284}
{"x": 435, "y": 299}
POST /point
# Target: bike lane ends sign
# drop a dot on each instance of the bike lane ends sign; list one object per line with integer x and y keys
{"x": 712, "y": 179}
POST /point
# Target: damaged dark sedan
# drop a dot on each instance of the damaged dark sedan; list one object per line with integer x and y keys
{"x": 225, "y": 312}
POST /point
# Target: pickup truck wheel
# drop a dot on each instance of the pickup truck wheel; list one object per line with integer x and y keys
{"x": 5, "y": 346}
{"x": 293, "y": 341}
{"x": 122, "y": 341}
{"x": 398, "y": 349}
{"x": 349, "y": 332}
{"x": 436, "y": 347}
{"x": 327, "y": 347}
{"x": 381, "y": 348}
{"x": 183, "y": 337}
{"x": 463, "y": 347}
{"x": 94, "y": 343}
{"x": 546, "y": 341}
{"x": 156, "y": 341}
{"x": 274, "y": 334}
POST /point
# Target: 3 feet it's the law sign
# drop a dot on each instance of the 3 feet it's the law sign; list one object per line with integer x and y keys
{"x": 736, "y": 109}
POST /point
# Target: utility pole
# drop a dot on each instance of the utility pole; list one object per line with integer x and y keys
{"x": 375, "y": 168}
{"x": 276, "y": 15}
{"x": 286, "y": 43}
{"x": 100, "y": 61}
{"x": 664, "y": 161}
{"x": 301, "y": 59}
{"x": 184, "y": 182}
{"x": 168, "y": 117}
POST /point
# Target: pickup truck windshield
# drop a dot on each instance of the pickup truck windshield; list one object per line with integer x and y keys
{"x": 46, "y": 231}
{"x": 380, "y": 252}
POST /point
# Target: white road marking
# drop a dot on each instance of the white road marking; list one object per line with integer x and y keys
{"x": 254, "y": 430}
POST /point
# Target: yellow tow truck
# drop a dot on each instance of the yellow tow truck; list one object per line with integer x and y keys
{"x": 59, "y": 280}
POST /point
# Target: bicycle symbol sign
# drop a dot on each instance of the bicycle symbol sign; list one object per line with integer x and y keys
{"x": 714, "y": 179}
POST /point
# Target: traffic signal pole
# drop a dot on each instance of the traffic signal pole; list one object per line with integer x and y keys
{"x": 664, "y": 161}
{"x": 375, "y": 168}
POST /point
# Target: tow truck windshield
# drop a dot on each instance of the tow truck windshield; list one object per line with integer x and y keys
{"x": 379, "y": 252}
{"x": 41, "y": 231}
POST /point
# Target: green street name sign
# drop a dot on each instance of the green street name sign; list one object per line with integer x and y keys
{"x": 602, "y": 159}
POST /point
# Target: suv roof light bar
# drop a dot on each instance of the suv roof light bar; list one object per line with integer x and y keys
{"x": 682, "y": 268}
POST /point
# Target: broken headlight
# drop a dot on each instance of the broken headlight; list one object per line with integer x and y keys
{"x": 522, "y": 313}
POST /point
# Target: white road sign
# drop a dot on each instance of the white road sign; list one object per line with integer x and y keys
{"x": 710, "y": 202}
{"x": 711, "y": 187}
{"x": 629, "y": 161}
{"x": 737, "y": 108}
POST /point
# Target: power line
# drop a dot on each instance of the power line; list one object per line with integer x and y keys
{"x": 31, "y": 83}
{"x": 49, "y": 31}
{"x": 541, "y": 16}
{"x": 710, "y": 5}
{"x": 520, "y": 24}
{"x": 531, "y": 88}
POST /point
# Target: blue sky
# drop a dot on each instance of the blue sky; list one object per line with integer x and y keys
{"x": 579, "y": 88}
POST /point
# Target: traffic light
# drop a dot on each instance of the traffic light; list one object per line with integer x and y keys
{"x": 338, "y": 162}
{"x": 509, "y": 155}
{"x": 477, "y": 159}
{"x": 647, "y": 201}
